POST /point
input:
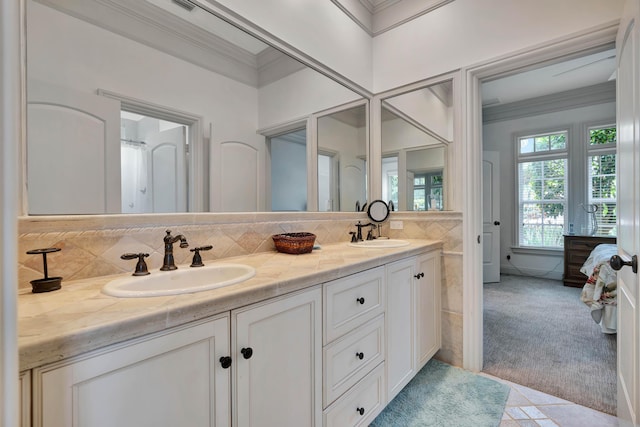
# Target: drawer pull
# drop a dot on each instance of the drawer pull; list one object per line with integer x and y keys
{"x": 360, "y": 300}
{"x": 225, "y": 362}
{"x": 360, "y": 356}
{"x": 247, "y": 352}
{"x": 360, "y": 411}
{"x": 419, "y": 275}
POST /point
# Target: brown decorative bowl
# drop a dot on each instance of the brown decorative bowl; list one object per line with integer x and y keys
{"x": 294, "y": 243}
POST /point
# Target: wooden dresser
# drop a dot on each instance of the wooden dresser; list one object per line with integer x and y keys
{"x": 576, "y": 252}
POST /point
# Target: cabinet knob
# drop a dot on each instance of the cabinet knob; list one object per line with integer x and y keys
{"x": 225, "y": 362}
{"x": 360, "y": 356}
{"x": 617, "y": 263}
{"x": 496, "y": 222}
{"x": 419, "y": 275}
{"x": 360, "y": 411}
{"x": 360, "y": 300}
{"x": 247, "y": 352}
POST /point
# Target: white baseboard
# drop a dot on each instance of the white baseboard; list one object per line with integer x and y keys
{"x": 524, "y": 271}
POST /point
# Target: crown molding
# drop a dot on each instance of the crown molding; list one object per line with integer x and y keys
{"x": 377, "y": 17}
{"x": 575, "y": 98}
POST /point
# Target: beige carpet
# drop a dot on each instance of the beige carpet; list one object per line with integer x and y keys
{"x": 537, "y": 333}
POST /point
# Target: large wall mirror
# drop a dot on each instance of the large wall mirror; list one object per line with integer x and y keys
{"x": 416, "y": 130}
{"x": 142, "y": 106}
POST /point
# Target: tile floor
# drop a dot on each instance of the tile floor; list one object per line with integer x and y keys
{"x": 531, "y": 408}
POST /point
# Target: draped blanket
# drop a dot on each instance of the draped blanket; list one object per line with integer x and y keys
{"x": 600, "y": 290}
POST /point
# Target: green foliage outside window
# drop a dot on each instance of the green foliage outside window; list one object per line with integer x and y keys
{"x": 602, "y": 136}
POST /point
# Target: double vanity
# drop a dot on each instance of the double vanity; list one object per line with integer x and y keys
{"x": 325, "y": 338}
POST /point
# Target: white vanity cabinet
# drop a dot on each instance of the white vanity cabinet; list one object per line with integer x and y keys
{"x": 277, "y": 362}
{"x": 177, "y": 378}
{"x": 412, "y": 317}
{"x": 173, "y": 378}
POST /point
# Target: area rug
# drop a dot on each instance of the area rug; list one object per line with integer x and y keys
{"x": 539, "y": 334}
{"x": 441, "y": 395}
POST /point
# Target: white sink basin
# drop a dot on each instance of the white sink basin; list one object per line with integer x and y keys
{"x": 182, "y": 281}
{"x": 380, "y": 243}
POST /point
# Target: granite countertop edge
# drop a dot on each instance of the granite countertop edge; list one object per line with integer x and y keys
{"x": 80, "y": 318}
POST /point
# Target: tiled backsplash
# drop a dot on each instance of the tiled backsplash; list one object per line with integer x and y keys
{"x": 92, "y": 245}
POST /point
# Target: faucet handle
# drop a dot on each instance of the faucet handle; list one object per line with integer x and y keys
{"x": 197, "y": 259}
{"x": 141, "y": 266}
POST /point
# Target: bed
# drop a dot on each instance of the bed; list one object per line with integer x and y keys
{"x": 600, "y": 290}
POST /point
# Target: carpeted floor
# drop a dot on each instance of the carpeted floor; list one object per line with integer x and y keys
{"x": 539, "y": 334}
{"x": 441, "y": 395}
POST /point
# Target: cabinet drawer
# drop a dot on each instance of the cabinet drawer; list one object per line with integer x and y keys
{"x": 352, "y": 301}
{"x": 349, "y": 358}
{"x": 366, "y": 397}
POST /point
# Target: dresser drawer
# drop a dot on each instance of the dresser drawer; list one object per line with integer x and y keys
{"x": 349, "y": 358}
{"x": 352, "y": 301}
{"x": 361, "y": 404}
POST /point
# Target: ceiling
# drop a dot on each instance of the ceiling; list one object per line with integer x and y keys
{"x": 561, "y": 76}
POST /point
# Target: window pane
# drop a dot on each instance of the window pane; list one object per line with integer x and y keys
{"x": 542, "y": 191}
{"x": 603, "y": 193}
{"x": 526, "y": 145}
{"x": 419, "y": 199}
{"x": 602, "y": 136}
{"x": 558, "y": 141}
{"x": 542, "y": 143}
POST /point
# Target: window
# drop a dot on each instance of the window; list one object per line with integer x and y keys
{"x": 601, "y": 169}
{"x": 542, "y": 189}
{"x": 427, "y": 192}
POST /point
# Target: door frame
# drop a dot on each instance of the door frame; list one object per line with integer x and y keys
{"x": 574, "y": 45}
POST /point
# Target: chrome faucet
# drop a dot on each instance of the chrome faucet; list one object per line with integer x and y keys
{"x": 169, "y": 263}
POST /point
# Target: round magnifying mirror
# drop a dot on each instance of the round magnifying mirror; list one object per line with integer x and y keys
{"x": 378, "y": 211}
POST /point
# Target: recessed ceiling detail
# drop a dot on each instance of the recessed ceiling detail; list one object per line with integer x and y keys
{"x": 378, "y": 16}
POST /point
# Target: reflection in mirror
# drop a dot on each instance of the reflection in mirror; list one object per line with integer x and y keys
{"x": 288, "y": 153}
{"x": 227, "y": 83}
{"x": 153, "y": 164}
{"x": 342, "y": 160}
{"x": 416, "y": 128}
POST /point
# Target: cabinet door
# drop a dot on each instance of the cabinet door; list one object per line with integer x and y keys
{"x": 169, "y": 379}
{"x": 400, "y": 321}
{"x": 428, "y": 306}
{"x": 278, "y": 362}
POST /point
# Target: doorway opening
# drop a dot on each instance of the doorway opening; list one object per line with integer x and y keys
{"x": 540, "y": 122}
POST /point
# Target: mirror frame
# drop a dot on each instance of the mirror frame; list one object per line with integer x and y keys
{"x": 376, "y": 105}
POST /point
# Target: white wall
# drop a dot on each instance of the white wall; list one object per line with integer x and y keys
{"x": 317, "y": 28}
{"x": 427, "y": 109}
{"x": 500, "y": 136}
{"x": 298, "y": 95}
{"x": 467, "y": 32}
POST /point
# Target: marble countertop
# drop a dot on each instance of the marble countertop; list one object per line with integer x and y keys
{"x": 79, "y": 317}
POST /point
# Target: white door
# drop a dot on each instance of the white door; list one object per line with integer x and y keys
{"x": 62, "y": 127}
{"x": 628, "y": 112}
{"x": 491, "y": 216}
{"x": 168, "y": 170}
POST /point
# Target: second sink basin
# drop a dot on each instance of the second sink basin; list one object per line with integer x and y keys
{"x": 380, "y": 243}
{"x": 182, "y": 281}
